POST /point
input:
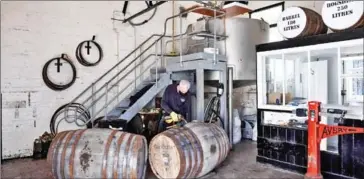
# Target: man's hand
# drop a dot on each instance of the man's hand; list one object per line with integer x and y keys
{"x": 174, "y": 116}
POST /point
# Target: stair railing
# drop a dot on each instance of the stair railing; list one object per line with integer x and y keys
{"x": 93, "y": 99}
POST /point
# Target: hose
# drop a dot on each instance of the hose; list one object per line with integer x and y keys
{"x": 49, "y": 83}
{"x": 80, "y": 58}
{"x": 145, "y": 21}
{"x": 79, "y": 109}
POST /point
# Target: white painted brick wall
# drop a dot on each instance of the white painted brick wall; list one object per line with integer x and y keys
{"x": 34, "y": 32}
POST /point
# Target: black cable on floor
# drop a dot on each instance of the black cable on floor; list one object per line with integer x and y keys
{"x": 49, "y": 83}
{"x": 80, "y": 57}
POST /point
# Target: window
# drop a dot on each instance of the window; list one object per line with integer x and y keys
{"x": 270, "y": 14}
{"x": 352, "y": 70}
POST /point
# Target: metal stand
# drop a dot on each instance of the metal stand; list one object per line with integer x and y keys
{"x": 316, "y": 132}
{"x": 198, "y": 63}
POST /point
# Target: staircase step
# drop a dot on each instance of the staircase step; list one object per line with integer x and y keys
{"x": 163, "y": 81}
{"x": 159, "y": 70}
{"x": 116, "y": 111}
{"x": 124, "y": 103}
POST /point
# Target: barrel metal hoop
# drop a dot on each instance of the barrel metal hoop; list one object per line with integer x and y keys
{"x": 116, "y": 157}
{"x": 56, "y": 152}
{"x": 137, "y": 144}
{"x": 125, "y": 169}
{"x": 188, "y": 153}
{"x": 225, "y": 144}
{"x": 105, "y": 156}
{"x": 72, "y": 157}
{"x": 128, "y": 154}
{"x": 54, "y": 143}
{"x": 167, "y": 133}
{"x": 145, "y": 145}
{"x": 122, "y": 156}
{"x": 63, "y": 156}
{"x": 198, "y": 153}
{"x": 149, "y": 154}
{"x": 222, "y": 148}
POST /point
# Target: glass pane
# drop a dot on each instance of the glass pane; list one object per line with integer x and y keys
{"x": 296, "y": 73}
{"x": 352, "y": 70}
{"x": 324, "y": 87}
{"x": 324, "y": 82}
{"x": 274, "y": 79}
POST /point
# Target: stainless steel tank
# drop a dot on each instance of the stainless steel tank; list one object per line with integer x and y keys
{"x": 243, "y": 35}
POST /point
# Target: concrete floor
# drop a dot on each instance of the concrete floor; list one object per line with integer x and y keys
{"x": 239, "y": 164}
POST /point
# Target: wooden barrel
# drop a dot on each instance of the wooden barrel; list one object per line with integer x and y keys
{"x": 343, "y": 15}
{"x": 300, "y": 22}
{"x": 188, "y": 152}
{"x": 98, "y": 153}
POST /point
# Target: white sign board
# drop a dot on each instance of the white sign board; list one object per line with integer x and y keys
{"x": 292, "y": 22}
{"x": 340, "y": 15}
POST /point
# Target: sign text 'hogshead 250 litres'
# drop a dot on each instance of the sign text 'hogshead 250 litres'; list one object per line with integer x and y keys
{"x": 342, "y": 15}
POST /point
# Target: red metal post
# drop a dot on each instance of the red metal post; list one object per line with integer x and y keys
{"x": 316, "y": 132}
{"x": 313, "y": 160}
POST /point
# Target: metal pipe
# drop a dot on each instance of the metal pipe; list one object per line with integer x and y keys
{"x": 173, "y": 29}
{"x": 143, "y": 11}
{"x": 180, "y": 40}
{"x": 141, "y": 60}
{"x": 156, "y": 65}
{"x": 135, "y": 54}
{"x": 144, "y": 42}
{"x": 133, "y": 51}
{"x": 106, "y": 91}
{"x": 92, "y": 101}
{"x": 162, "y": 53}
{"x": 215, "y": 33}
{"x": 230, "y": 105}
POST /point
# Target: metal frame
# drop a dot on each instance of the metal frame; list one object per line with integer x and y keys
{"x": 106, "y": 87}
{"x": 307, "y": 49}
{"x": 199, "y": 62}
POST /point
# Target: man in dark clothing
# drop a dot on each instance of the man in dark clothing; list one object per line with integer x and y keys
{"x": 176, "y": 100}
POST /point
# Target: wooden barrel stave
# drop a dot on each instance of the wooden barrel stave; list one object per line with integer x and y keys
{"x": 193, "y": 150}
{"x": 190, "y": 150}
{"x": 314, "y": 25}
{"x": 98, "y": 153}
{"x": 214, "y": 142}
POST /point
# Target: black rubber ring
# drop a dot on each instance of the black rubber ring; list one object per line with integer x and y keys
{"x": 53, "y": 86}
{"x": 80, "y": 57}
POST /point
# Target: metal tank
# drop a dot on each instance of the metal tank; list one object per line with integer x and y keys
{"x": 243, "y": 35}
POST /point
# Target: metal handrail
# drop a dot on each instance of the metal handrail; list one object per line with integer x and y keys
{"x": 126, "y": 66}
{"x": 132, "y": 61}
{"x": 118, "y": 94}
{"x": 94, "y": 102}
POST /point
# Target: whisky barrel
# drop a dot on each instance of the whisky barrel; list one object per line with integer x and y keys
{"x": 300, "y": 22}
{"x": 98, "y": 153}
{"x": 343, "y": 15}
{"x": 188, "y": 152}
